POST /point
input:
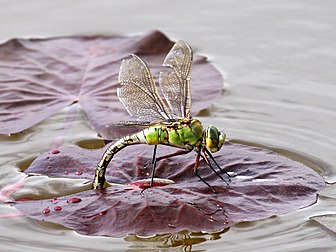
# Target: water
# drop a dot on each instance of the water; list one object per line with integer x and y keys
{"x": 279, "y": 61}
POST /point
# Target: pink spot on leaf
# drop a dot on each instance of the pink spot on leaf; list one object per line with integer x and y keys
{"x": 54, "y": 201}
{"x": 46, "y": 210}
{"x": 74, "y": 200}
{"x": 57, "y": 208}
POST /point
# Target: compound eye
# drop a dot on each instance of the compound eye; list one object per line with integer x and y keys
{"x": 212, "y": 136}
{"x": 213, "y": 133}
{"x": 222, "y": 137}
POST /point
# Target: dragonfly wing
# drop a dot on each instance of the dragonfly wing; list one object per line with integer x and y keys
{"x": 123, "y": 128}
{"x": 138, "y": 92}
{"x": 175, "y": 82}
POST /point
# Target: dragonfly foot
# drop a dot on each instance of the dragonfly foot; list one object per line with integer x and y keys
{"x": 229, "y": 176}
{"x": 142, "y": 191}
{"x": 213, "y": 190}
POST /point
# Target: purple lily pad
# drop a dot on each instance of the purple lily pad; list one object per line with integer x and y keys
{"x": 263, "y": 184}
{"x": 40, "y": 77}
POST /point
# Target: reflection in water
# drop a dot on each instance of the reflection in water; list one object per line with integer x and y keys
{"x": 182, "y": 241}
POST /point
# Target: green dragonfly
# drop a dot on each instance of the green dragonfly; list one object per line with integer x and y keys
{"x": 166, "y": 120}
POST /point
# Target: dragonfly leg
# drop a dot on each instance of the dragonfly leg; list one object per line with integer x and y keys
{"x": 196, "y": 171}
{"x": 154, "y": 154}
{"x": 178, "y": 153}
{"x": 153, "y": 158}
{"x": 209, "y": 164}
{"x": 218, "y": 166}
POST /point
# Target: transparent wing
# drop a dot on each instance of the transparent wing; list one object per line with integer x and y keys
{"x": 122, "y": 128}
{"x": 175, "y": 82}
{"x": 138, "y": 92}
{"x": 137, "y": 124}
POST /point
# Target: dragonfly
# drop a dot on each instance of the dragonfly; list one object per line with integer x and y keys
{"x": 163, "y": 116}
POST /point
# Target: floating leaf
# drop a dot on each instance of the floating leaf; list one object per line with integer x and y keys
{"x": 328, "y": 221}
{"x": 40, "y": 77}
{"x": 7, "y": 191}
{"x": 263, "y": 184}
{"x": 329, "y": 191}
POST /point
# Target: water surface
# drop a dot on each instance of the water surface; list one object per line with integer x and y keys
{"x": 278, "y": 58}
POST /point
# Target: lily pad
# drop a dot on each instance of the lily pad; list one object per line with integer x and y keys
{"x": 328, "y": 221}
{"x": 40, "y": 77}
{"x": 329, "y": 191}
{"x": 263, "y": 184}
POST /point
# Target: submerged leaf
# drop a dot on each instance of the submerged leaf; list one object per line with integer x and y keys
{"x": 329, "y": 191}
{"x": 40, "y": 77}
{"x": 328, "y": 221}
{"x": 263, "y": 184}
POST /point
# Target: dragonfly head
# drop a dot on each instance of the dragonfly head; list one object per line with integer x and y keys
{"x": 214, "y": 139}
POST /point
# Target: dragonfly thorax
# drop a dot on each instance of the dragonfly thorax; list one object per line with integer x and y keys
{"x": 214, "y": 139}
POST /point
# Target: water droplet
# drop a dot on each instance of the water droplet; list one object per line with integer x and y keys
{"x": 54, "y": 201}
{"x": 46, "y": 210}
{"x": 66, "y": 172}
{"x": 57, "y": 208}
{"x": 74, "y": 200}
{"x": 103, "y": 212}
{"x": 55, "y": 152}
{"x": 79, "y": 172}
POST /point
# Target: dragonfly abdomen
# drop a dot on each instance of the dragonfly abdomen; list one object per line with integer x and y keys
{"x": 99, "y": 180}
{"x": 185, "y": 134}
{"x": 154, "y": 135}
